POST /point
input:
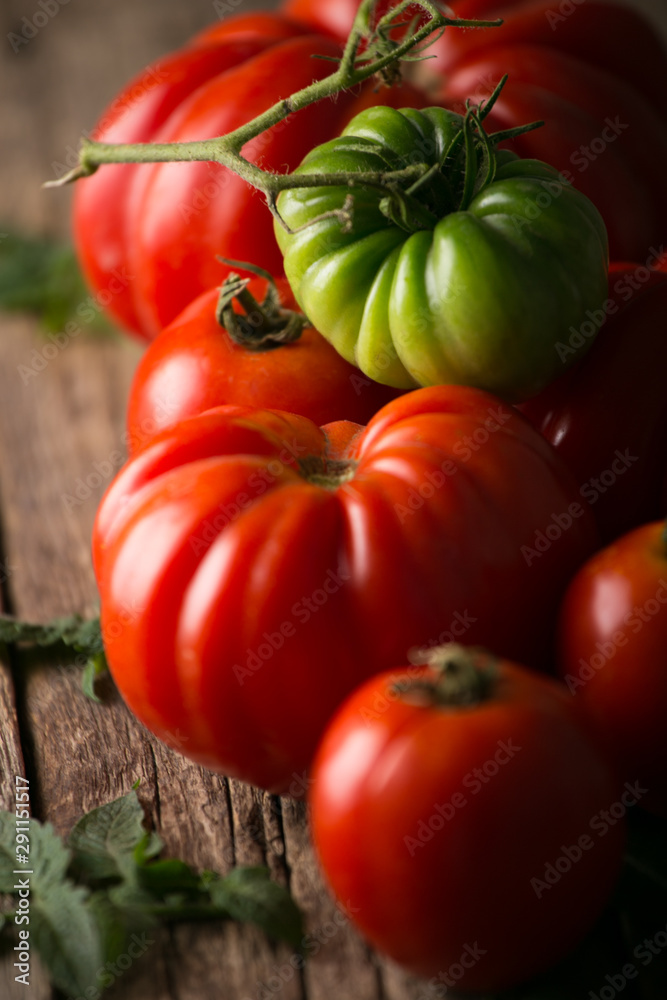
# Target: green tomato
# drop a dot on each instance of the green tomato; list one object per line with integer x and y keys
{"x": 447, "y": 281}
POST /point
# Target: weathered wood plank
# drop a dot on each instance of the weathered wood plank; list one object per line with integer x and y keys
{"x": 58, "y": 428}
{"x": 83, "y": 753}
{"x": 339, "y": 964}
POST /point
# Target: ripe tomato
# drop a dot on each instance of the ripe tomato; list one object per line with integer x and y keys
{"x": 335, "y": 17}
{"x": 195, "y": 364}
{"x": 613, "y": 634}
{"x": 148, "y": 235}
{"x": 473, "y": 285}
{"x": 466, "y": 820}
{"x": 254, "y": 568}
{"x": 593, "y": 73}
{"x": 592, "y": 120}
{"x": 613, "y": 38}
{"x": 607, "y": 415}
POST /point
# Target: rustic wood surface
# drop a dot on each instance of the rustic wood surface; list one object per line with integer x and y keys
{"x": 53, "y": 429}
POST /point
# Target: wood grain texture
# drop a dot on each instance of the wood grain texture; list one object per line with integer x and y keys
{"x": 61, "y": 426}
{"x": 58, "y": 427}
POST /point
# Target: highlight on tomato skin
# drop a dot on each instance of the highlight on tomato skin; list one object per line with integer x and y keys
{"x": 217, "y": 533}
{"x": 194, "y": 364}
{"x": 595, "y": 78}
{"x": 474, "y": 279}
{"x": 147, "y": 235}
{"x": 612, "y": 638}
{"x": 607, "y": 415}
{"x": 470, "y": 829}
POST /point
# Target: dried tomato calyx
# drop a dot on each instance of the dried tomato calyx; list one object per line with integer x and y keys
{"x": 460, "y": 676}
{"x": 265, "y": 325}
{"x": 327, "y": 473}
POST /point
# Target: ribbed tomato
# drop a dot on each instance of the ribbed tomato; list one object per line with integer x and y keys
{"x": 148, "y": 235}
{"x": 594, "y": 73}
{"x": 254, "y": 568}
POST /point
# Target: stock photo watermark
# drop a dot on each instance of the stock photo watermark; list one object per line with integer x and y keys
{"x": 600, "y": 825}
{"x": 473, "y": 782}
{"x": 633, "y": 623}
{"x": 31, "y": 26}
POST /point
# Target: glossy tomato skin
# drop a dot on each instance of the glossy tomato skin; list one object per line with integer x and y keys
{"x": 592, "y": 118}
{"x": 194, "y": 365}
{"x": 254, "y": 568}
{"x": 478, "y": 296}
{"x": 612, "y": 37}
{"x": 435, "y": 827}
{"x": 607, "y": 415}
{"x": 612, "y": 636}
{"x": 593, "y": 75}
{"x": 104, "y": 220}
{"x": 148, "y": 235}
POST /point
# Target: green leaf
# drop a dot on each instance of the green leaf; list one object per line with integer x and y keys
{"x": 95, "y": 667}
{"x": 103, "y": 841}
{"x": 65, "y": 935}
{"x": 149, "y": 847}
{"x": 111, "y": 924}
{"x": 132, "y": 900}
{"x": 167, "y": 876}
{"x": 116, "y": 923}
{"x": 84, "y": 635}
{"x": 76, "y": 931}
{"x": 7, "y": 850}
{"x": 49, "y": 858}
{"x": 42, "y": 277}
{"x": 248, "y": 894}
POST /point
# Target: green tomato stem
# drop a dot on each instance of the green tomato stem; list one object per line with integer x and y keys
{"x": 382, "y": 54}
{"x": 461, "y": 676}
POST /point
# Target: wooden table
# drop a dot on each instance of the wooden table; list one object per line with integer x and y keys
{"x": 58, "y": 427}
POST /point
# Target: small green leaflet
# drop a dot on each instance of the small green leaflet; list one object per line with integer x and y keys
{"x": 64, "y": 933}
{"x": 42, "y": 277}
{"x": 105, "y": 884}
{"x": 248, "y": 894}
{"x": 82, "y": 634}
{"x": 61, "y": 928}
{"x": 103, "y": 841}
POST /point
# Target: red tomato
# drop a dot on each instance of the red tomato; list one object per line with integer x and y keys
{"x": 194, "y": 365}
{"x": 608, "y": 36}
{"x": 335, "y": 17}
{"x": 613, "y": 636}
{"x": 254, "y": 568}
{"x": 594, "y": 75}
{"x": 148, "y": 236}
{"x": 607, "y": 415}
{"x": 466, "y": 820}
{"x": 592, "y": 120}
